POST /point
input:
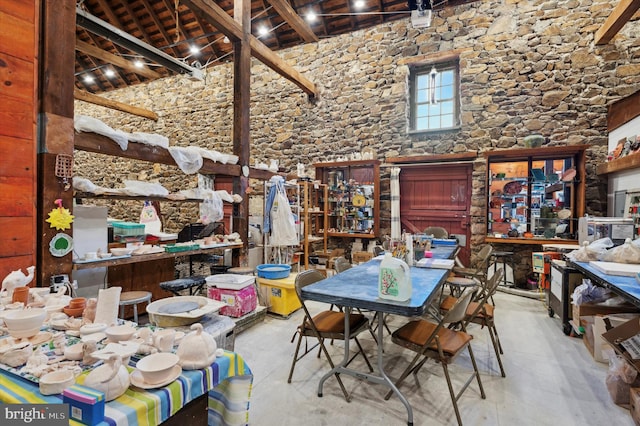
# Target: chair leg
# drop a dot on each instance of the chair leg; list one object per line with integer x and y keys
{"x": 326, "y": 353}
{"x": 454, "y": 400}
{"x": 295, "y": 358}
{"x": 495, "y": 331}
{"x": 364, "y": 355}
{"x": 476, "y": 372}
{"x": 497, "y": 350}
{"x": 404, "y": 375}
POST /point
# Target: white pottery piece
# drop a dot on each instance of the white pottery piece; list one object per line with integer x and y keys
{"x": 197, "y": 349}
{"x": 74, "y": 352}
{"x": 93, "y": 328}
{"x": 164, "y": 339}
{"x": 25, "y": 322}
{"x": 17, "y": 357}
{"x": 17, "y": 279}
{"x": 112, "y": 378}
{"x": 108, "y": 305}
{"x": 156, "y": 368}
{"x": 120, "y": 333}
{"x": 56, "y": 381}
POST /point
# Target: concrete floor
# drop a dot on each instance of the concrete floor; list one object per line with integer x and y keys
{"x": 551, "y": 378}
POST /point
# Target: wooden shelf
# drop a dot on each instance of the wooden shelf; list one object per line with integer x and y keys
{"x": 529, "y": 241}
{"x": 92, "y": 142}
{"x": 134, "y": 197}
{"x": 149, "y": 257}
{"x": 621, "y": 164}
{"x": 349, "y": 235}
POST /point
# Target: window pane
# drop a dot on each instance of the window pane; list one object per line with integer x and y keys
{"x": 434, "y": 109}
{"x": 422, "y": 110}
{"x": 421, "y": 123}
{"x": 447, "y": 120}
{"x": 447, "y": 107}
{"x": 446, "y": 92}
{"x": 422, "y": 82}
{"x": 446, "y": 77}
{"x": 423, "y": 95}
{"x": 434, "y": 122}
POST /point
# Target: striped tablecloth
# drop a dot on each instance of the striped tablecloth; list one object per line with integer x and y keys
{"x": 228, "y": 381}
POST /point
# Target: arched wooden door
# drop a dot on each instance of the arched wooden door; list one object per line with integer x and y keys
{"x": 438, "y": 195}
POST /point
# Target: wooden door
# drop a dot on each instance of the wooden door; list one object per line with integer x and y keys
{"x": 438, "y": 195}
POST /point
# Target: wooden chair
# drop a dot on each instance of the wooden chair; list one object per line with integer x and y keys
{"x": 325, "y": 325}
{"x": 481, "y": 312}
{"x": 435, "y": 341}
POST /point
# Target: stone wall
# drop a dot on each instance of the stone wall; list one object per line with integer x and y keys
{"x": 526, "y": 67}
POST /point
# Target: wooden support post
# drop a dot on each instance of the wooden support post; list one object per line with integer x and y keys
{"x": 241, "y": 115}
{"x": 55, "y": 124}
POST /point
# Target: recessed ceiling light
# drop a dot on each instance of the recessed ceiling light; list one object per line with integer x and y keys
{"x": 359, "y": 4}
{"x": 194, "y": 49}
{"x": 262, "y": 30}
{"x": 311, "y": 16}
{"x": 88, "y": 78}
{"x": 138, "y": 63}
{"x": 109, "y": 73}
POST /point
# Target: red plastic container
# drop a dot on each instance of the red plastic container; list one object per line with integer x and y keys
{"x": 240, "y": 302}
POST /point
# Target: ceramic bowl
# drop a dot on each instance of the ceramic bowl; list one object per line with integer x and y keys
{"x": 56, "y": 381}
{"x": 105, "y": 255}
{"x": 77, "y": 302}
{"x": 24, "y": 319}
{"x": 73, "y": 312}
{"x": 74, "y": 352}
{"x": 155, "y": 368}
{"x": 120, "y": 333}
{"x": 93, "y": 328}
{"x": 121, "y": 251}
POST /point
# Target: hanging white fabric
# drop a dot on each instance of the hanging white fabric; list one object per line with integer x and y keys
{"x": 283, "y": 225}
{"x": 395, "y": 203}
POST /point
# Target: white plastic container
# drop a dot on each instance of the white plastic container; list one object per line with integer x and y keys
{"x": 230, "y": 281}
{"x": 394, "y": 281}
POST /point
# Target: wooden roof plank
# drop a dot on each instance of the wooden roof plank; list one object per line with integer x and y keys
{"x": 220, "y": 19}
{"x": 116, "y": 60}
{"x": 99, "y": 100}
{"x": 299, "y": 25}
{"x": 618, "y": 18}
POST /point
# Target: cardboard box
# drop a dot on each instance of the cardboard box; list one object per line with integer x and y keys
{"x": 600, "y": 326}
{"x": 240, "y": 302}
{"x": 358, "y": 257}
{"x": 589, "y": 309}
{"x": 620, "y": 333}
{"x": 634, "y": 408}
{"x": 85, "y": 404}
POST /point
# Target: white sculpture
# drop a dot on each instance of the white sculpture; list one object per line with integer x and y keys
{"x": 197, "y": 349}
{"x": 17, "y": 279}
{"x": 112, "y": 378}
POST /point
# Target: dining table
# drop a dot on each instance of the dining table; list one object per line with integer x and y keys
{"x": 357, "y": 288}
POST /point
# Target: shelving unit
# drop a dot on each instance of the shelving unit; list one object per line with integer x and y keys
{"x": 353, "y": 203}
{"x": 531, "y": 194}
{"x": 145, "y": 271}
{"x": 314, "y": 214}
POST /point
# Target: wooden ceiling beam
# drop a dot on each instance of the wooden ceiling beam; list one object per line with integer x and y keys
{"x": 116, "y": 60}
{"x": 216, "y": 16}
{"x": 270, "y": 32}
{"x": 85, "y": 66}
{"x": 298, "y": 24}
{"x": 618, "y": 18}
{"x": 93, "y": 38}
{"x": 81, "y": 95}
{"x": 158, "y": 24}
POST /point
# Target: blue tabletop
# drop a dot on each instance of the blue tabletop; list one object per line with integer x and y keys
{"x": 627, "y": 287}
{"x": 443, "y": 252}
{"x": 358, "y": 288}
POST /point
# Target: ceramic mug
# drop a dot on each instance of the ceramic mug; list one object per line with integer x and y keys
{"x": 164, "y": 339}
{"x": 20, "y": 294}
{"x": 78, "y": 302}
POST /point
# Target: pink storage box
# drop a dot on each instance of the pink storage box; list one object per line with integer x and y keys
{"x": 240, "y": 301}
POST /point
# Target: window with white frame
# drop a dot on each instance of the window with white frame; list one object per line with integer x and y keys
{"x": 435, "y": 97}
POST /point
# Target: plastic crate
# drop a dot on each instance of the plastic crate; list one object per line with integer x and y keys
{"x": 240, "y": 302}
{"x": 175, "y": 248}
{"x": 128, "y": 232}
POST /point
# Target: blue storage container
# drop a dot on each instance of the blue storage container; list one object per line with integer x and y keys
{"x": 273, "y": 271}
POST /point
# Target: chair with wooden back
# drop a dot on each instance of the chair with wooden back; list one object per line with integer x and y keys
{"x": 481, "y": 312}
{"x": 325, "y": 325}
{"x": 442, "y": 343}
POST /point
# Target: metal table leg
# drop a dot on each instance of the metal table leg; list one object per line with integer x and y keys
{"x": 382, "y": 378}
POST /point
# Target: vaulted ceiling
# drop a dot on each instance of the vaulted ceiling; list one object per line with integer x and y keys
{"x": 172, "y": 28}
